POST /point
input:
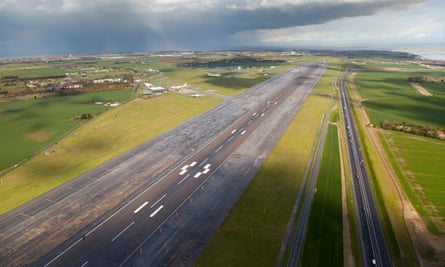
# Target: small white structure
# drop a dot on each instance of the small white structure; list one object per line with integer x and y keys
{"x": 108, "y": 80}
{"x": 214, "y": 74}
{"x": 157, "y": 89}
{"x": 153, "y": 90}
{"x": 178, "y": 87}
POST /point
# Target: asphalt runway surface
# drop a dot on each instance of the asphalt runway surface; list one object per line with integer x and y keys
{"x": 168, "y": 195}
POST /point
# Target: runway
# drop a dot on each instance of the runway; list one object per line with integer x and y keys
{"x": 117, "y": 212}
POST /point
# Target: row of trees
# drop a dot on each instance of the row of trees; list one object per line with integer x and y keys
{"x": 430, "y": 79}
{"x": 423, "y": 130}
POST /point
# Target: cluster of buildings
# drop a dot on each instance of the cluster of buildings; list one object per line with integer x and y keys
{"x": 150, "y": 89}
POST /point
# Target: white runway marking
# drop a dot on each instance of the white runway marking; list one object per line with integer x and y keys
{"x": 159, "y": 200}
{"x": 203, "y": 162}
{"x": 219, "y": 148}
{"x": 156, "y": 211}
{"x": 121, "y": 232}
{"x": 183, "y": 179}
{"x": 141, "y": 207}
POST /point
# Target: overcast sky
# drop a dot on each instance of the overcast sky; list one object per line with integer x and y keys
{"x": 57, "y": 27}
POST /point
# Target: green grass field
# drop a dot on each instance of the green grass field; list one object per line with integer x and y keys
{"x": 416, "y": 160}
{"x": 97, "y": 141}
{"x": 419, "y": 165}
{"x": 389, "y": 96}
{"x": 252, "y": 233}
{"x": 324, "y": 237}
{"x": 31, "y": 125}
{"x": 31, "y": 70}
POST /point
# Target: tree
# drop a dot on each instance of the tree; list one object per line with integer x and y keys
{"x": 86, "y": 116}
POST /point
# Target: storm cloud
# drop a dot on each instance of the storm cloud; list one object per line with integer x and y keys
{"x": 31, "y": 27}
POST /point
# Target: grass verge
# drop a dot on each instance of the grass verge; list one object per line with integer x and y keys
{"x": 324, "y": 240}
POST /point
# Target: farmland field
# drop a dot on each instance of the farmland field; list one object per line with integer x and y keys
{"x": 389, "y": 96}
{"x": 419, "y": 162}
{"x": 31, "y": 70}
{"x": 33, "y": 124}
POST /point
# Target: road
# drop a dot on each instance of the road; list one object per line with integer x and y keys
{"x": 373, "y": 248}
{"x": 105, "y": 215}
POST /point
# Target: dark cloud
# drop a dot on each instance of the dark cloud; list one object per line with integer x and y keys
{"x": 123, "y": 28}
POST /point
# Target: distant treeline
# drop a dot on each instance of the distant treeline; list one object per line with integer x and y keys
{"x": 17, "y": 78}
{"x": 429, "y": 79}
{"x": 423, "y": 130}
{"x": 239, "y": 61}
{"x": 364, "y": 53}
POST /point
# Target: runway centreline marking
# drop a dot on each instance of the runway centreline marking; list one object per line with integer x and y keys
{"x": 156, "y": 211}
{"x": 157, "y": 201}
{"x": 121, "y": 232}
{"x": 141, "y": 207}
{"x": 219, "y": 148}
{"x": 63, "y": 252}
{"x": 183, "y": 179}
{"x": 203, "y": 162}
{"x": 84, "y": 264}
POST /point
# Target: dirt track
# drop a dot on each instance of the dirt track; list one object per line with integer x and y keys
{"x": 420, "y": 89}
